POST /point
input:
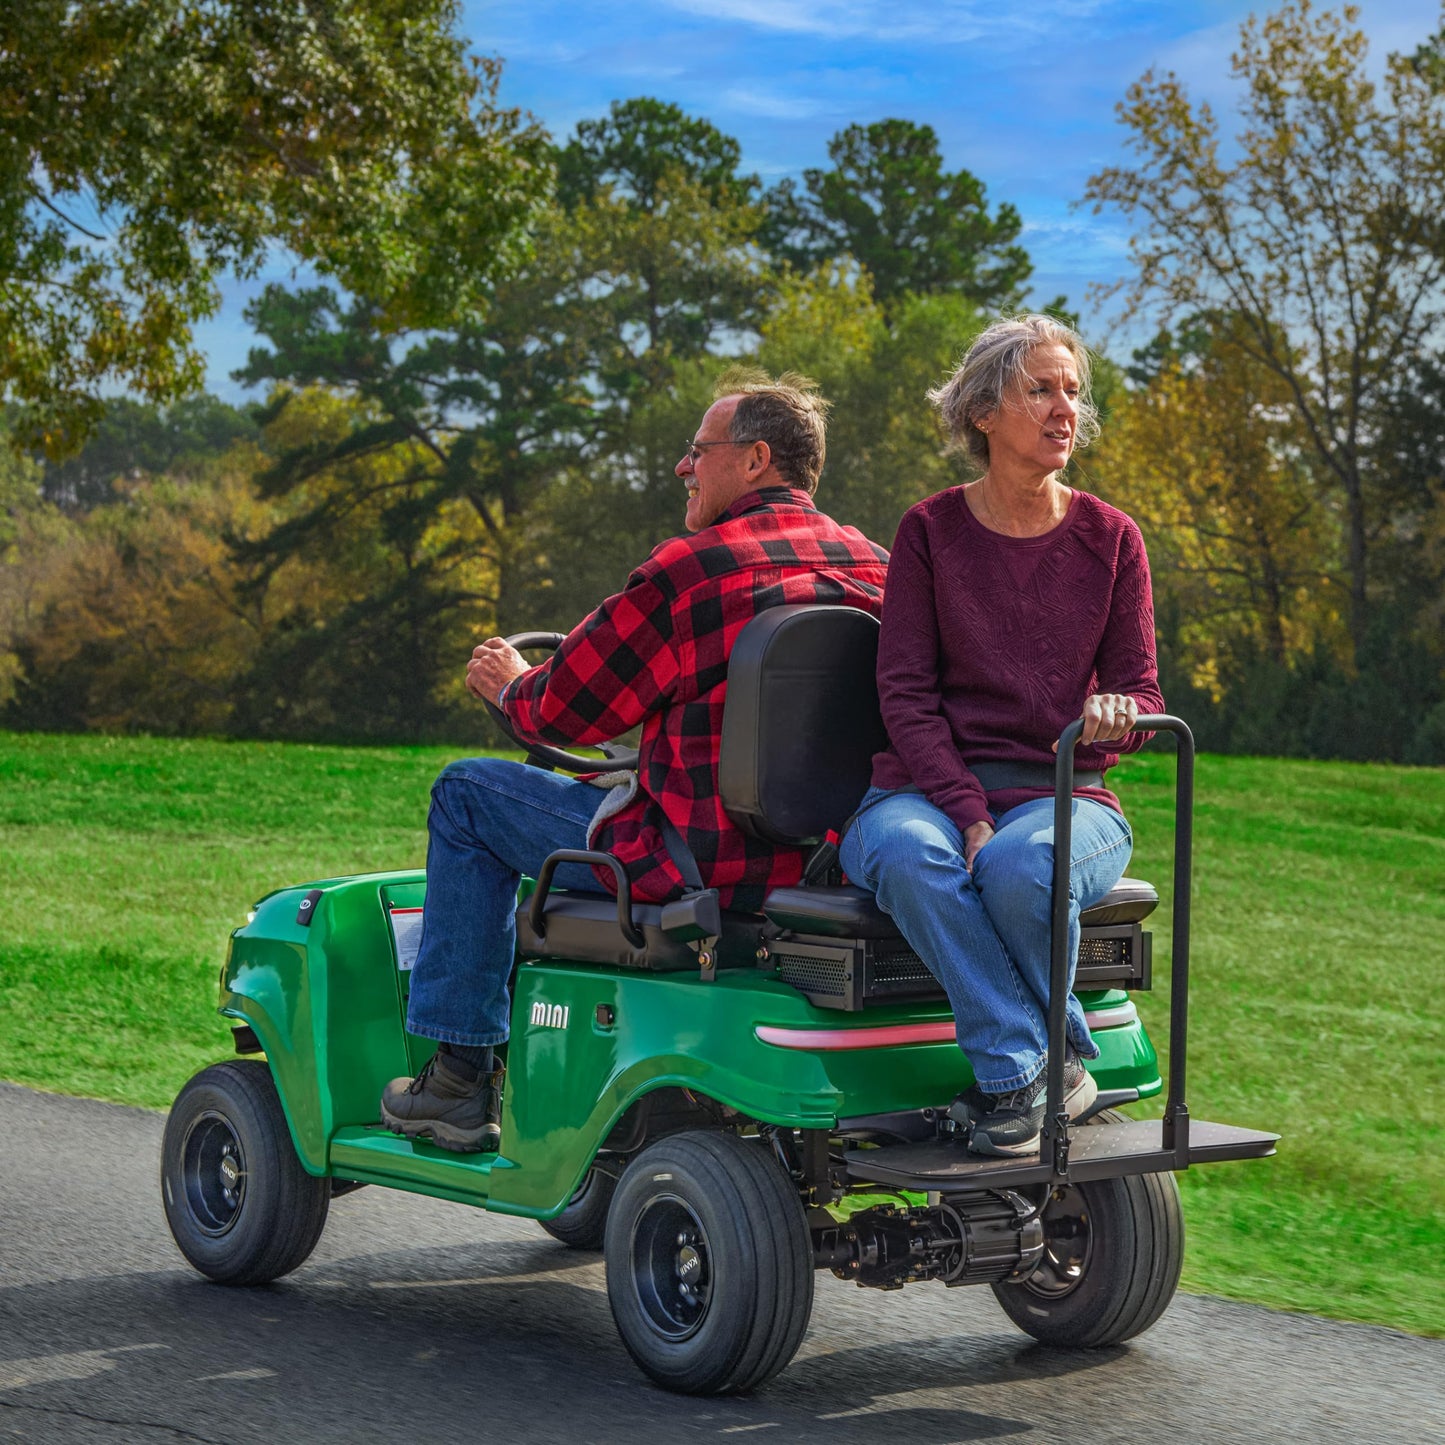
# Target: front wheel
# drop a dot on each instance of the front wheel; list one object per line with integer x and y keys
{"x": 241, "y": 1207}
{"x": 709, "y": 1264}
{"x": 1113, "y": 1249}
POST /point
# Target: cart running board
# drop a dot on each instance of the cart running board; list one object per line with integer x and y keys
{"x": 1097, "y": 1151}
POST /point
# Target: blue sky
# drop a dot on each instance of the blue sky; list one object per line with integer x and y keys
{"x": 1023, "y": 96}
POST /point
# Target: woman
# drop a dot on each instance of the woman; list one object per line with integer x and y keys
{"x": 1014, "y": 605}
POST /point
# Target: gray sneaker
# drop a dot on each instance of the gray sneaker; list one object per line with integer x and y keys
{"x": 443, "y": 1105}
{"x": 1008, "y": 1125}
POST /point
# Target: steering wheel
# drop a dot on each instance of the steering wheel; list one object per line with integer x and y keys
{"x": 613, "y": 758}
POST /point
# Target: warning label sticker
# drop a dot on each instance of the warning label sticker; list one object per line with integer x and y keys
{"x": 406, "y": 934}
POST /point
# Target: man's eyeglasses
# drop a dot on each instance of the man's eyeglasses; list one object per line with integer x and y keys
{"x": 695, "y": 450}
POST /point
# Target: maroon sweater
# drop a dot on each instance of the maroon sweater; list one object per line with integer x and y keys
{"x": 990, "y": 645}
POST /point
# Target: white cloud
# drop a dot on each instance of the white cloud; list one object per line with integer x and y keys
{"x": 1094, "y": 247}
{"x": 832, "y": 17}
{"x": 773, "y": 105}
{"x": 940, "y": 22}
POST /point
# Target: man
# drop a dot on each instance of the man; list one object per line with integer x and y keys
{"x": 655, "y": 654}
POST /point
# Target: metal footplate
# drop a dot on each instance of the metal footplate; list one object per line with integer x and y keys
{"x": 1098, "y": 1151}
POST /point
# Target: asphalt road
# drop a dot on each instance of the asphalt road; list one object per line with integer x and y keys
{"x": 421, "y": 1320}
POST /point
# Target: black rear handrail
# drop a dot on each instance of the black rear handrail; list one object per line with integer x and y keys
{"x": 1176, "y": 1113}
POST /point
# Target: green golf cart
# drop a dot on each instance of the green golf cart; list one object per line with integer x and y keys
{"x": 723, "y": 1103}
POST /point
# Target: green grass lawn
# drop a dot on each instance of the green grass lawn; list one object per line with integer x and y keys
{"x": 1319, "y": 939}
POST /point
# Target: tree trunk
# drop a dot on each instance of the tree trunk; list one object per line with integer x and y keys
{"x": 1356, "y": 546}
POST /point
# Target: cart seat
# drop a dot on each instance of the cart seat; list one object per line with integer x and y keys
{"x": 800, "y": 727}
{"x": 847, "y": 912}
{"x": 583, "y": 927}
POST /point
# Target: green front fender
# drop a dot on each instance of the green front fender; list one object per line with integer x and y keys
{"x": 324, "y": 1001}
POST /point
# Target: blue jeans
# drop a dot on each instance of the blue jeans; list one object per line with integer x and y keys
{"x": 490, "y": 822}
{"x": 985, "y": 935}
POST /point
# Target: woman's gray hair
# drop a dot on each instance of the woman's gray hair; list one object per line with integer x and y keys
{"x": 992, "y": 372}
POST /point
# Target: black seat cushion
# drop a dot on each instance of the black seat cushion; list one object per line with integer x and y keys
{"x": 840, "y": 912}
{"x": 583, "y": 927}
{"x": 849, "y": 912}
{"x": 1130, "y": 900}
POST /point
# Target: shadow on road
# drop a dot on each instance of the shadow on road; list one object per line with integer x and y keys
{"x": 516, "y": 1333}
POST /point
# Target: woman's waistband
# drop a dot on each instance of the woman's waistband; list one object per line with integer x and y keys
{"x": 996, "y": 776}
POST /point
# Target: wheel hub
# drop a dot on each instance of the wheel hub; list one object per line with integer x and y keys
{"x": 213, "y": 1173}
{"x": 1068, "y": 1245}
{"x": 689, "y": 1266}
{"x": 671, "y": 1267}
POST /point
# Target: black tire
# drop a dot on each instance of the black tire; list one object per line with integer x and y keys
{"x": 583, "y": 1224}
{"x": 1112, "y": 1255}
{"x": 709, "y": 1264}
{"x": 256, "y": 1217}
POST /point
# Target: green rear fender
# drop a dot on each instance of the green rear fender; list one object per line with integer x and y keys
{"x": 589, "y": 1043}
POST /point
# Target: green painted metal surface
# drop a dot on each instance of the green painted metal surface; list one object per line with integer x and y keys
{"x": 328, "y": 1004}
{"x": 325, "y": 1001}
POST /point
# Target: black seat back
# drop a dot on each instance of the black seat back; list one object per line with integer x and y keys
{"x": 801, "y": 722}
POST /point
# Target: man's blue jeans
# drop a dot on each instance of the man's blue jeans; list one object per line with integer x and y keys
{"x": 985, "y": 935}
{"x": 490, "y": 822}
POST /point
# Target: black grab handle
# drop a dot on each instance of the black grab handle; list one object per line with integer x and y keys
{"x": 1176, "y": 1113}
{"x": 630, "y": 931}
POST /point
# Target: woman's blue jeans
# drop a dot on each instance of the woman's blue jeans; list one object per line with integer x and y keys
{"x": 985, "y": 935}
{"x": 490, "y": 822}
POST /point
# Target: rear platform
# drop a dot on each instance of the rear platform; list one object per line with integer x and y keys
{"x": 1099, "y": 1150}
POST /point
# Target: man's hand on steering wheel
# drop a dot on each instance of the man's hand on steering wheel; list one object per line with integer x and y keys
{"x": 494, "y": 664}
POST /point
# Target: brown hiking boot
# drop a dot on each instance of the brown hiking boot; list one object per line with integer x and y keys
{"x": 442, "y": 1104}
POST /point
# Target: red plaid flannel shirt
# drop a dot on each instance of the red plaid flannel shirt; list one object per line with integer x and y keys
{"x": 657, "y": 654}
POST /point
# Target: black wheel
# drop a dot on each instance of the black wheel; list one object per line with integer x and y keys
{"x": 709, "y": 1264}
{"x": 1113, "y": 1249}
{"x": 583, "y": 1224}
{"x": 241, "y": 1207}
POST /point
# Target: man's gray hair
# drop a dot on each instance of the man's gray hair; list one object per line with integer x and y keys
{"x": 991, "y": 375}
{"x": 788, "y": 413}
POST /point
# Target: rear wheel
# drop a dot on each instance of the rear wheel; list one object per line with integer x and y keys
{"x": 583, "y": 1224}
{"x": 709, "y": 1264}
{"x": 1113, "y": 1249}
{"x": 241, "y": 1207}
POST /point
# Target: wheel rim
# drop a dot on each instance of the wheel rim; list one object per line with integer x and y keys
{"x": 671, "y": 1267}
{"x": 1068, "y": 1245}
{"x": 213, "y": 1173}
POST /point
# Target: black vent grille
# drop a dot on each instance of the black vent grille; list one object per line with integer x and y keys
{"x": 1104, "y": 953}
{"x": 812, "y": 975}
{"x": 852, "y": 973}
{"x": 901, "y": 972}
{"x": 1113, "y": 956}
